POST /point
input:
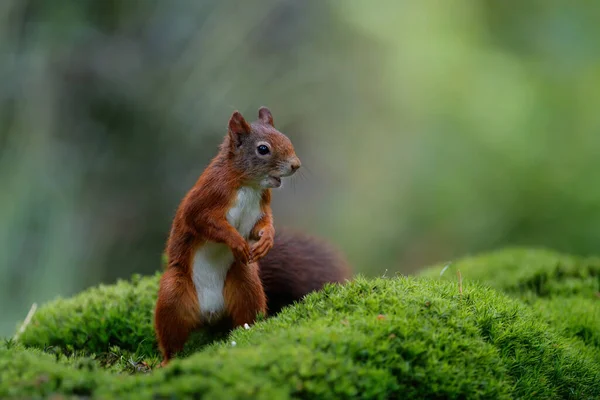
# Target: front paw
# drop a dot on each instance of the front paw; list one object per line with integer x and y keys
{"x": 241, "y": 252}
{"x": 264, "y": 244}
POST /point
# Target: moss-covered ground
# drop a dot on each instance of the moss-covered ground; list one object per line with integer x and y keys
{"x": 521, "y": 324}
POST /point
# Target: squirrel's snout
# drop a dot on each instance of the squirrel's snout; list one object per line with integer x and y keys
{"x": 289, "y": 167}
{"x": 295, "y": 164}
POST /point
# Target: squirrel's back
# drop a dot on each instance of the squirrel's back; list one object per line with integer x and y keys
{"x": 297, "y": 265}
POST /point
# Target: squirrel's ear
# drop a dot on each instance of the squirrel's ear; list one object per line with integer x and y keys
{"x": 237, "y": 126}
{"x": 264, "y": 114}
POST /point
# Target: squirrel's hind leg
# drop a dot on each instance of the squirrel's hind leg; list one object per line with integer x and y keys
{"x": 177, "y": 312}
{"x": 244, "y": 294}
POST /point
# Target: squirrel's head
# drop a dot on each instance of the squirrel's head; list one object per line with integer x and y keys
{"x": 262, "y": 153}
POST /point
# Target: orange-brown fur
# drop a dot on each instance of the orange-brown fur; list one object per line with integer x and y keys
{"x": 202, "y": 218}
{"x": 242, "y": 279}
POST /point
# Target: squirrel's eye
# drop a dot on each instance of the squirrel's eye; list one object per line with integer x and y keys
{"x": 263, "y": 150}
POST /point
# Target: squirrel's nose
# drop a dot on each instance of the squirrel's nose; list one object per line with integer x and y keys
{"x": 295, "y": 164}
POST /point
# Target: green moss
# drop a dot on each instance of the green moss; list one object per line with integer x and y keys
{"x": 111, "y": 322}
{"x": 573, "y": 317}
{"x": 563, "y": 290}
{"x": 375, "y": 338}
{"x": 372, "y": 338}
{"x": 529, "y": 272}
{"x": 99, "y": 318}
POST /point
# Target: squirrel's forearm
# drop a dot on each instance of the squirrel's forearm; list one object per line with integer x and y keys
{"x": 221, "y": 231}
{"x": 266, "y": 220}
{"x": 264, "y": 223}
{"x": 210, "y": 222}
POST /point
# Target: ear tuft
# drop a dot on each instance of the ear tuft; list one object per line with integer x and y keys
{"x": 264, "y": 114}
{"x": 237, "y": 124}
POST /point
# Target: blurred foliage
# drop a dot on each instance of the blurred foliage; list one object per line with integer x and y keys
{"x": 428, "y": 129}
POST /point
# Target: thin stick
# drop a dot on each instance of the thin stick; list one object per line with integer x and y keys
{"x": 27, "y": 321}
{"x": 460, "y": 291}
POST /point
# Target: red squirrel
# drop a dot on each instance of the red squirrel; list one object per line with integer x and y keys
{"x": 212, "y": 271}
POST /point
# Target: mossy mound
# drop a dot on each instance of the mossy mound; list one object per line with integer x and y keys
{"x": 564, "y": 290}
{"x": 113, "y": 322}
{"x": 372, "y": 338}
{"x": 99, "y": 318}
{"x": 530, "y": 273}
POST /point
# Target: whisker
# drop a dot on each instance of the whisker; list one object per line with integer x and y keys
{"x": 305, "y": 168}
{"x": 302, "y": 176}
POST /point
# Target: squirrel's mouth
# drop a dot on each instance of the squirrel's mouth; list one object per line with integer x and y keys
{"x": 271, "y": 182}
{"x": 274, "y": 181}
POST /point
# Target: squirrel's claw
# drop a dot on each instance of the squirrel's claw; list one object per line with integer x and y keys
{"x": 262, "y": 247}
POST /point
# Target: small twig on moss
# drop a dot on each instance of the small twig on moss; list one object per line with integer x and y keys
{"x": 460, "y": 291}
{"x": 26, "y": 322}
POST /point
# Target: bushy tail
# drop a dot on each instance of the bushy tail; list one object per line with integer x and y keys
{"x": 297, "y": 265}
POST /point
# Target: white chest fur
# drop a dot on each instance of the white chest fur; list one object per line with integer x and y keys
{"x": 212, "y": 261}
{"x": 245, "y": 211}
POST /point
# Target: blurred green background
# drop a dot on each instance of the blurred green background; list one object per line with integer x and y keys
{"x": 429, "y": 129}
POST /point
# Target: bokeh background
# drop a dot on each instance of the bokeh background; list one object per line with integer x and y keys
{"x": 428, "y": 129}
